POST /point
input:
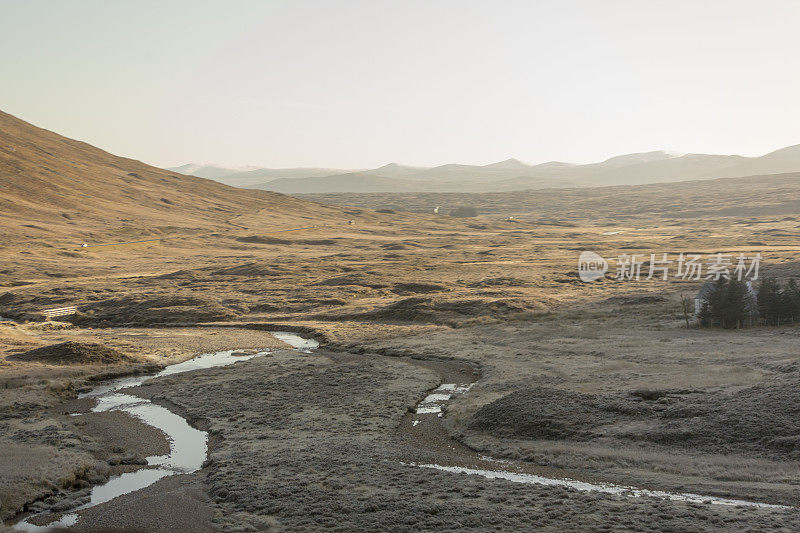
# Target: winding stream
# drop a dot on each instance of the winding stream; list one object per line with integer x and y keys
{"x": 436, "y": 400}
{"x": 188, "y": 447}
{"x": 605, "y": 488}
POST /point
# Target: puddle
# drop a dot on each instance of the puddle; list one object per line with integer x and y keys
{"x": 296, "y": 341}
{"x": 188, "y": 447}
{"x": 597, "y": 487}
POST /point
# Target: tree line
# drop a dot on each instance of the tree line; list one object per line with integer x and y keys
{"x": 778, "y": 304}
{"x": 733, "y": 304}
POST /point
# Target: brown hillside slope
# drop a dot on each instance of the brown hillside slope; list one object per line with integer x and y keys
{"x": 70, "y": 189}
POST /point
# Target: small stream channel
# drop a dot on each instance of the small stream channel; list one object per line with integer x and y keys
{"x": 188, "y": 447}
{"x": 427, "y": 432}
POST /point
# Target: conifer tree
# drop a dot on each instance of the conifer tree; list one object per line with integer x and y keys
{"x": 734, "y": 309}
{"x": 768, "y": 304}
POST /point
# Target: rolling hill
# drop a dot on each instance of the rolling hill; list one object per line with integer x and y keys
{"x": 349, "y": 182}
{"x": 777, "y": 162}
{"x": 53, "y": 187}
{"x": 775, "y": 197}
{"x": 512, "y": 174}
{"x": 212, "y": 172}
{"x": 246, "y": 177}
{"x": 358, "y": 182}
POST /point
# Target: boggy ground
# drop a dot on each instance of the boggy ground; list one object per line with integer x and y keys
{"x": 309, "y": 441}
{"x": 632, "y": 398}
{"x": 624, "y": 392}
{"x": 305, "y": 442}
{"x": 628, "y": 393}
{"x": 50, "y": 456}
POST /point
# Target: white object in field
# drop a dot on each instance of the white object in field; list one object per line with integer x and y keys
{"x": 84, "y": 245}
{"x": 436, "y": 210}
{"x": 60, "y": 311}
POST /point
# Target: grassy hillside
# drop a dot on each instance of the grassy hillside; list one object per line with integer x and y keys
{"x": 55, "y": 187}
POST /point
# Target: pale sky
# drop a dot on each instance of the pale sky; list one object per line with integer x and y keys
{"x": 356, "y": 84}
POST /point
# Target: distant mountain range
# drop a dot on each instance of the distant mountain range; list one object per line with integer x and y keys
{"x": 508, "y": 175}
{"x": 251, "y": 175}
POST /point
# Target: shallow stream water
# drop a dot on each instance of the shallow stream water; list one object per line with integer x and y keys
{"x": 188, "y": 447}
{"x": 436, "y": 401}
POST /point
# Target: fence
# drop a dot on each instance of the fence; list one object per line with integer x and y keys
{"x": 60, "y": 311}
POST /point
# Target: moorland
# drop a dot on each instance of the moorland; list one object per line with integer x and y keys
{"x": 600, "y": 382}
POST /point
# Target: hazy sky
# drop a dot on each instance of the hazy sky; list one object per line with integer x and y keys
{"x": 354, "y": 84}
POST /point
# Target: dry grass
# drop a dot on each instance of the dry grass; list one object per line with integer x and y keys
{"x": 499, "y": 293}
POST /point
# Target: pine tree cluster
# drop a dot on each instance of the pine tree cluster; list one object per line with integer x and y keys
{"x": 730, "y": 304}
{"x": 778, "y": 304}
